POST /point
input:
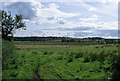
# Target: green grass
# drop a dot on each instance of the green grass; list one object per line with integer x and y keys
{"x": 67, "y": 62}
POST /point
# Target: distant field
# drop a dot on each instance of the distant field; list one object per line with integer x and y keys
{"x": 54, "y": 43}
{"x": 61, "y": 61}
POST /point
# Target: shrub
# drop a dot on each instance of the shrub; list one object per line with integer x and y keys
{"x": 34, "y": 52}
{"x": 7, "y": 48}
{"x": 101, "y": 56}
{"x": 70, "y": 57}
{"x": 79, "y": 54}
{"x": 60, "y": 57}
{"x": 50, "y": 52}
{"x": 93, "y": 56}
{"x": 87, "y": 58}
{"x": 7, "y": 51}
{"x": 45, "y": 53}
{"x": 115, "y": 62}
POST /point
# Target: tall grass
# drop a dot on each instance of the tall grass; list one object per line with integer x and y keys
{"x": 8, "y": 51}
{"x": 69, "y": 62}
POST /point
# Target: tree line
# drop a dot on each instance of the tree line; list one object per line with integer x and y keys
{"x": 98, "y": 40}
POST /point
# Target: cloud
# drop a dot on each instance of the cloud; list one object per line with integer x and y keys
{"x": 69, "y": 33}
{"x": 103, "y": 1}
{"x": 27, "y": 9}
{"x": 90, "y": 24}
{"x": 92, "y": 9}
{"x": 95, "y": 16}
{"x": 18, "y": 1}
{"x": 35, "y": 12}
{"x": 52, "y": 15}
{"x": 108, "y": 8}
{"x": 53, "y": 5}
{"x": 53, "y": 11}
{"x": 88, "y": 19}
{"x": 42, "y": 21}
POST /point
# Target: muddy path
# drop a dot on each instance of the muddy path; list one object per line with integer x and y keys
{"x": 38, "y": 77}
{"x": 36, "y": 73}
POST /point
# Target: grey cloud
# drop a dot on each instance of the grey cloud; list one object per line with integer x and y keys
{"x": 101, "y": 33}
{"x": 56, "y": 20}
{"x": 61, "y": 22}
{"x": 24, "y": 8}
{"x": 50, "y": 18}
{"x": 71, "y": 29}
{"x": 110, "y": 32}
{"x": 77, "y": 29}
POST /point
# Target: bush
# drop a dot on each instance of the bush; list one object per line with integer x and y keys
{"x": 115, "y": 67}
{"x": 70, "y": 57}
{"x": 87, "y": 58}
{"x": 7, "y": 48}
{"x": 60, "y": 57}
{"x": 78, "y": 55}
{"x": 101, "y": 56}
{"x": 45, "y": 53}
{"x": 34, "y": 52}
{"x": 93, "y": 56}
{"x": 7, "y": 51}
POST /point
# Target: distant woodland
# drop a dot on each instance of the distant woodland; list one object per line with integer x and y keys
{"x": 68, "y": 39}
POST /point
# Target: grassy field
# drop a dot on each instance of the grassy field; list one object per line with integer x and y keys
{"x": 61, "y": 61}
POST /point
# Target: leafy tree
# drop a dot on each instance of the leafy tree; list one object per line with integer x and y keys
{"x": 9, "y": 24}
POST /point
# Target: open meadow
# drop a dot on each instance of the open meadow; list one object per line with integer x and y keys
{"x": 60, "y": 62}
{"x": 54, "y": 40}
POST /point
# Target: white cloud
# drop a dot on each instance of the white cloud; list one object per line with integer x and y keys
{"x": 90, "y": 24}
{"x": 110, "y": 25}
{"x": 52, "y": 15}
{"x": 95, "y": 16}
{"x": 53, "y": 5}
{"x": 48, "y": 12}
{"x": 19, "y": 0}
{"x": 88, "y": 19}
{"x": 92, "y": 9}
{"x": 105, "y": 1}
{"x": 34, "y": 11}
{"x": 53, "y": 11}
{"x": 61, "y": 1}
{"x": 39, "y": 17}
{"x": 109, "y": 8}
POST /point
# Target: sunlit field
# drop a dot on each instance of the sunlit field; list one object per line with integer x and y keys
{"x": 61, "y": 61}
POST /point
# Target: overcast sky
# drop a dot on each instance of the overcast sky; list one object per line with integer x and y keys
{"x": 67, "y": 18}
